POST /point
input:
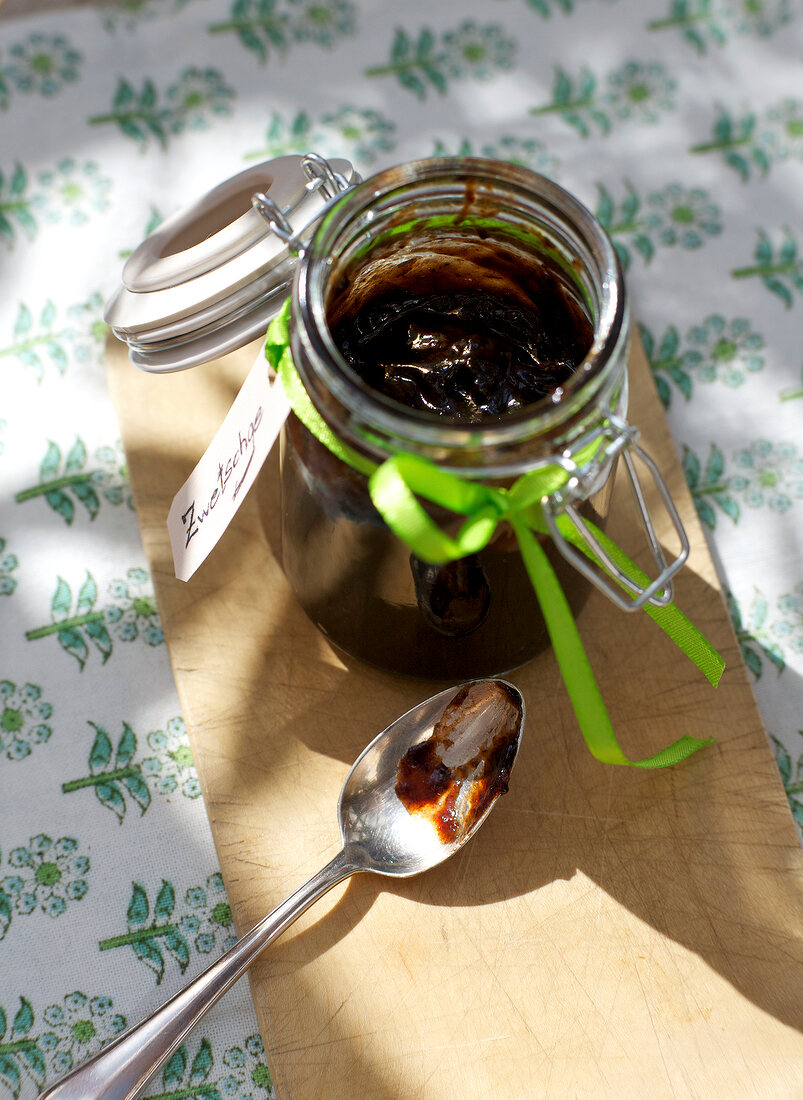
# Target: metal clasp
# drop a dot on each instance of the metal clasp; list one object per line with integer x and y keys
{"x": 617, "y": 438}
{"x": 321, "y": 174}
{"x": 274, "y": 215}
{"x": 322, "y": 177}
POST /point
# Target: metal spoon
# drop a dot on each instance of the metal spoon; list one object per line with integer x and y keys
{"x": 413, "y": 797}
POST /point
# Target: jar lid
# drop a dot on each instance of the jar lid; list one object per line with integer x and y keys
{"x": 212, "y": 276}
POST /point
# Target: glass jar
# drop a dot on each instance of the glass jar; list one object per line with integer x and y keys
{"x": 356, "y": 580}
{"x": 212, "y": 276}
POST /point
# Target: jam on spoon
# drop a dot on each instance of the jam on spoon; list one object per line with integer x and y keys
{"x": 454, "y": 783}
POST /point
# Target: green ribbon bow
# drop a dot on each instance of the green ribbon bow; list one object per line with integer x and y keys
{"x": 397, "y": 484}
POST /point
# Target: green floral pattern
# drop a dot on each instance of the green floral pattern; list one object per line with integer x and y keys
{"x": 15, "y": 212}
{"x": 192, "y": 102}
{"x": 159, "y": 932}
{"x": 637, "y": 92}
{"x": 8, "y": 564}
{"x": 38, "y": 1051}
{"x": 755, "y": 633}
{"x": 121, "y": 775}
{"x": 791, "y": 775}
{"x": 70, "y": 192}
{"x": 243, "y": 1074}
{"x": 529, "y": 152}
{"x": 704, "y": 23}
{"x": 77, "y": 623}
{"x": 674, "y": 217}
{"x": 37, "y": 1048}
{"x": 127, "y": 15}
{"x": 41, "y": 64}
{"x": 134, "y": 614}
{"x": 322, "y": 22}
{"x": 714, "y": 351}
{"x": 749, "y": 141}
{"x": 21, "y": 1056}
{"x": 248, "y": 1076}
{"x": 42, "y": 339}
{"x": 426, "y": 61}
{"x": 78, "y": 1028}
{"x": 24, "y": 719}
{"x": 46, "y": 875}
{"x": 789, "y": 628}
{"x": 65, "y": 480}
{"x": 209, "y": 921}
{"x": 682, "y": 216}
{"x": 268, "y": 27}
{"x": 761, "y": 475}
{"x": 359, "y": 133}
{"x": 169, "y": 768}
{"x": 548, "y": 8}
{"x": 778, "y": 264}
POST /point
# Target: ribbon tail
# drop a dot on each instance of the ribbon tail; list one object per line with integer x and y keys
{"x": 670, "y": 618}
{"x": 589, "y": 707}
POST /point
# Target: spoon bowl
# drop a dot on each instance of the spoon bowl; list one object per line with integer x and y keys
{"x": 412, "y": 798}
{"x": 467, "y": 730}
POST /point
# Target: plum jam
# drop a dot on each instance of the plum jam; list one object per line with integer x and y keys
{"x": 469, "y": 353}
{"x": 446, "y": 314}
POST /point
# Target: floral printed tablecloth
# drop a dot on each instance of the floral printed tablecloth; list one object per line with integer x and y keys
{"x": 680, "y": 122}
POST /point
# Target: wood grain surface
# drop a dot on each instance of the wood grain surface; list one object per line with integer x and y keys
{"x": 609, "y": 932}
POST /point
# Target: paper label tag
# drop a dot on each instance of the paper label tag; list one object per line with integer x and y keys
{"x": 206, "y": 503}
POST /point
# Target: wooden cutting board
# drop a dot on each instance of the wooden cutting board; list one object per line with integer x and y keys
{"x": 609, "y": 932}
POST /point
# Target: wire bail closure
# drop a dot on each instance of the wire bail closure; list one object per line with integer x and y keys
{"x": 621, "y": 440}
{"x": 315, "y": 167}
{"x": 322, "y": 177}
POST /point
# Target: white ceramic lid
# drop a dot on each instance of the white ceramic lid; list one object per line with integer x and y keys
{"x": 211, "y": 277}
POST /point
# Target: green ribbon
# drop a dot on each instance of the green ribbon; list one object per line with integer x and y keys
{"x": 401, "y": 481}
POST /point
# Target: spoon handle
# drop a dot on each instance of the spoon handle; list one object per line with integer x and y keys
{"x": 121, "y": 1069}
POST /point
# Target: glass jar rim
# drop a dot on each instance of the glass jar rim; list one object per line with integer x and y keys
{"x": 593, "y": 377}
